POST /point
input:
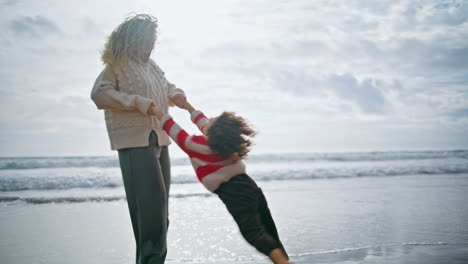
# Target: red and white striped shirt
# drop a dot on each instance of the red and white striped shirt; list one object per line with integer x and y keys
{"x": 211, "y": 169}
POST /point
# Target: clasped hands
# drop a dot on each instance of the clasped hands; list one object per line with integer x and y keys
{"x": 179, "y": 100}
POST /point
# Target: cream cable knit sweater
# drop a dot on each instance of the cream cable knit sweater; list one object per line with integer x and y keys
{"x": 125, "y": 92}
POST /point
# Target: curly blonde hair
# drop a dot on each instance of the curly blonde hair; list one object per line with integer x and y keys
{"x": 129, "y": 37}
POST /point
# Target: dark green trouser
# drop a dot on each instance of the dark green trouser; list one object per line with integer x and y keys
{"x": 146, "y": 176}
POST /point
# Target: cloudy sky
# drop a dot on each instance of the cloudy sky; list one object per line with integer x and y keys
{"x": 309, "y": 75}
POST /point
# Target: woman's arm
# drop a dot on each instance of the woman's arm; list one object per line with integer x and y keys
{"x": 105, "y": 95}
{"x": 176, "y": 95}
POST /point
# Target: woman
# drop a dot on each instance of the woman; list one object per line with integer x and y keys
{"x": 130, "y": 84}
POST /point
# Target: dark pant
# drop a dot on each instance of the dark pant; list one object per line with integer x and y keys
{"x": 247, "y": 204}
{"x": 146, "y": 176}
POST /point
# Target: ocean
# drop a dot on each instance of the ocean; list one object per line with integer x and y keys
{"x": 91, "y": 173}
{"x": 372, "y": 207}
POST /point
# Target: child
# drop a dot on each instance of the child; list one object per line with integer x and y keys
{"x": 217, "y": 159}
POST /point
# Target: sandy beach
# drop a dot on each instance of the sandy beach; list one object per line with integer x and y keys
{"x": 401, "y": 219}
{"x": 351, "y": 116}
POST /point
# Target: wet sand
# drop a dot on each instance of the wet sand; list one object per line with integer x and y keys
{"x": 405, "y": 219}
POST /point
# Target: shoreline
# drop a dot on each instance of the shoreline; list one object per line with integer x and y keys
{"x": 344, "y": 221}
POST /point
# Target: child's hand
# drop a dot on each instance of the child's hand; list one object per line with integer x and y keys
{"x": 187, "y": 106}
{"x": 236, "y": 157}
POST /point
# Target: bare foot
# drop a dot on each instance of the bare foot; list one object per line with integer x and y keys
{"x": 279, "y": 257}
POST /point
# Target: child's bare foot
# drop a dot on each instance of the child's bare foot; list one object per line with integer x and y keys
{"x": 279, "y": 257}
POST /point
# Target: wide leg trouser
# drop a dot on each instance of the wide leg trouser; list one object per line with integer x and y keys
{"x": 146, "y": 176}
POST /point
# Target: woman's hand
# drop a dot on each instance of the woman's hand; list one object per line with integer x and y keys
{"x": 179, "y": 100}
{"x": 154, "y": 110}
{"x": 151, "y": 109}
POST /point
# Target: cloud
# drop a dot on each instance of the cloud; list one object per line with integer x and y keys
{"x": 316, "y": 66}
{"x": 376, "y": 56}
{"x": 416, "y": 56}
{"x": 36, "y": 27}
{"x": 299, "y": 83}
{"x": 10, "y": 2}
{"x": 452, "y": 13}
{"x": 364, "y": 94}
{"x": 461, "y": 113}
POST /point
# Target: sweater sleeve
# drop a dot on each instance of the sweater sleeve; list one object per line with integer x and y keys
{"x": 173, "y": 91}
{"x": 199, "y": 119}
{"x": 177, "y": 134}
{"x": 106, "y": 96}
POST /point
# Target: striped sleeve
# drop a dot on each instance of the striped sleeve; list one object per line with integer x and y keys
{"x": 175, "y": 132}
{"x": 199, "y": 119}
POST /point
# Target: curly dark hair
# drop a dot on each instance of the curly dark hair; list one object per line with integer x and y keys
{"x": 228, "y": 136}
